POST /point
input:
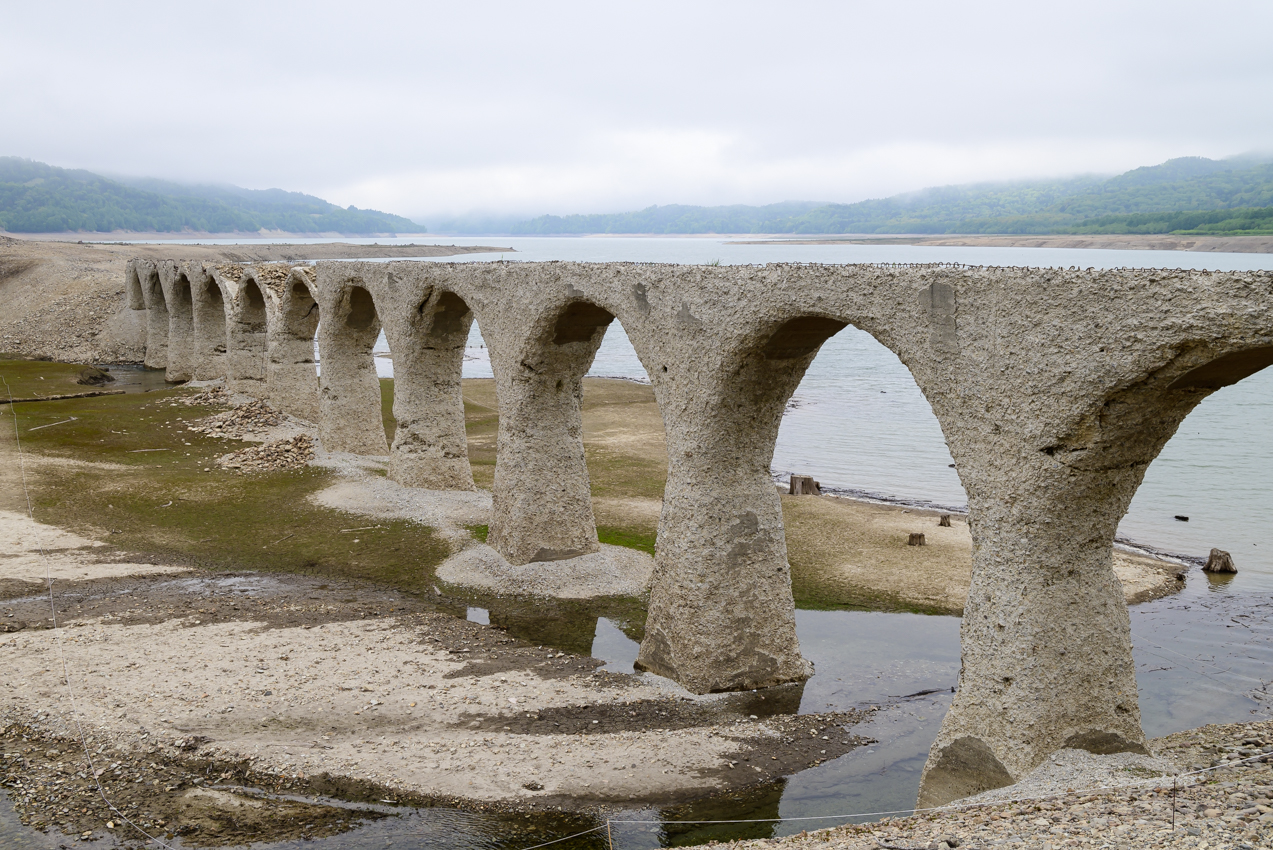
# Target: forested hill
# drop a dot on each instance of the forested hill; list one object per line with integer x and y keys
{"x": 1186, "y": 195}
{"x": 39, "y": 198}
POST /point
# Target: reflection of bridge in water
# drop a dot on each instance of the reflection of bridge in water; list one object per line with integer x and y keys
{"x": 1055, "y": 389}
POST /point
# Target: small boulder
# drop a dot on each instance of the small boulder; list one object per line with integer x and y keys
{"x": 1219, "y": 561}
{"x": 91, "y": 376}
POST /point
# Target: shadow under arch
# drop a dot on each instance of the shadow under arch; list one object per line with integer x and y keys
{"x": 291, "y": 367}
{"x": 350, "y": 417}
{"x": 210, "y": 340}
{"x": 247, "y": 338}
{"x": 542, "y": 498}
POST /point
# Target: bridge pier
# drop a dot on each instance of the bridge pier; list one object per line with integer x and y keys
{"x": 1046, "y": 645}
{"x": 209, "y": 324}
{"x": 181, "y": 356}
{"x": 157, "y": 320}
{"x": 291, "y": 373}
{"x": 247, "y": 334}
{"x": 542, "y": 498}
{"x": 427, "y": 334}
{"x": 349, "y": 404}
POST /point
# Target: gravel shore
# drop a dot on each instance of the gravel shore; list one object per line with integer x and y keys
{"x": 1221, "y": 798}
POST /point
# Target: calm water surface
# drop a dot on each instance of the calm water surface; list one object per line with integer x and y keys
{"x": 860, "y": 424}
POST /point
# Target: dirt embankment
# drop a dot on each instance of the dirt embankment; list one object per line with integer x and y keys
{"x": 1165, "y": 242}
{"x": 57, "y": 296}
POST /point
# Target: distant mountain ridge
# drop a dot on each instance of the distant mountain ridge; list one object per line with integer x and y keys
{"x": 1184, "y": 195}
{"x": 40, "y": 198}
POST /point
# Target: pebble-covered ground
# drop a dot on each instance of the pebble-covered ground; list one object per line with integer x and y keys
{"x": 1223, "y": 799}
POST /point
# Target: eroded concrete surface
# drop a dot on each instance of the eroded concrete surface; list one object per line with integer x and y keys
{"x": 1055, "y": 390}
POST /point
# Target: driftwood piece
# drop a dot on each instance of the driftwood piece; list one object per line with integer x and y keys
{"x": 944, "y": 521}
{"x": 804, "y": 485}
{"x": 1219, "y": 561}
{"x": 916, "y": 539}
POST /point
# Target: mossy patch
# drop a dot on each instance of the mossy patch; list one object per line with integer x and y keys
{"x": 36, "y": 378}
{"x": 152, "y": 487}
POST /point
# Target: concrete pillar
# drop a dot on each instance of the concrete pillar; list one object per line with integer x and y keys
{"x": 349, "y": 396}
{"x": 427, "y": 337}
{"x": 245, "y": 352}
{"x": 721, "y": 614}
{"x": 209, "y": 324}
{"x": 1047, "y": 655}
{"x": 157, "y": 321}
{"x": 181, "y": 354}
{"x": 1046, "y": 639}
{"x": 291, "y": 373}
{"x": 542, "y": 499}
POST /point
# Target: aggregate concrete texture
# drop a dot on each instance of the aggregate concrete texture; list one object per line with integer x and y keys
{"x": 1055, "y": 389}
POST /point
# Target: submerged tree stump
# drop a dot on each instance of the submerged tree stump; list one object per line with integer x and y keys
{"x": 944, "y": 521}
{"x": 916, "y": 539}
{"x": 804, "y": 485}
{"x": 1219, "y": 561}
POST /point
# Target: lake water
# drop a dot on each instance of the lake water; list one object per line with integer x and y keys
{"x": 861, "y": 425}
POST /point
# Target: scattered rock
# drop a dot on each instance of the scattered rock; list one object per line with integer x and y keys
{"x": 281, "y": 454}
{"x": 91, "y": 376}
{"x": 253, "y": 417}
{"x": 1219, "y": 561}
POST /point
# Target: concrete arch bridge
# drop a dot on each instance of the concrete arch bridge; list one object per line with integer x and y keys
{"x": 1055, "y": 390}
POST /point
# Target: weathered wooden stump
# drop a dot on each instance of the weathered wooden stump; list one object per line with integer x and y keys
{"x": 916, "y": 540}
{"x": 1219, "y": 561}
{"x": 944, "y": 521}
{"x": 804, "y": 485}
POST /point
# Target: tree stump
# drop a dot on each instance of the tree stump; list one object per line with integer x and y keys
{"x": 916, "y": 540}
{"x": 804, "y": 485}
{"x": 1220, "y": 561}
{"x": 944, "y": 522}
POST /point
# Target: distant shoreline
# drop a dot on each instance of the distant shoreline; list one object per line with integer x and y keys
{"x": 1149, "y": 242}
{"x": 253, "y": 237}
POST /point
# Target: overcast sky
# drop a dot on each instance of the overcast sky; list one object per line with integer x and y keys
{"x": 525, "y": 108}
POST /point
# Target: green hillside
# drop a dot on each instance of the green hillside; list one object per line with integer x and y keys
{"x": 1185, "y": 195}
{"x": 39, "y": 198}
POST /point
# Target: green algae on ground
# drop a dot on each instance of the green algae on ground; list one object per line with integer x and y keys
{"x": 37, "y": 378}
{"x": 152, "y": 487}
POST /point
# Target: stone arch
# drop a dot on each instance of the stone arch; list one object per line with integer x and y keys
{"x": 157, "y": 318}
{"x": 349, "y": 391}
{"x": 542, "y": 498}
{"x": 247, "y": 330}
{"x": 181, "y": 355}
{"x": 292, "y": 373}
{"x": 210, "y": 310}
{"x": 1046, "y": 635}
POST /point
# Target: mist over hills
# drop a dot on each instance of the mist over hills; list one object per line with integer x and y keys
{"x": 40, "y": 198}
{"x": 1185, "y": 195}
